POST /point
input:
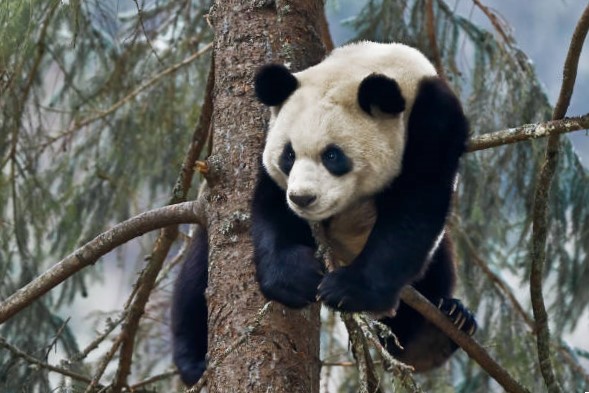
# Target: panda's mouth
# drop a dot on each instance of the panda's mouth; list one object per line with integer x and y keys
{"x": 314, "y": 212}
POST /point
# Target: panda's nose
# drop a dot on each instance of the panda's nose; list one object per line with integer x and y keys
{"x": 302, "y": 200}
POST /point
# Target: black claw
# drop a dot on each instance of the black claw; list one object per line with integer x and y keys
{"x": 460, "y": 316}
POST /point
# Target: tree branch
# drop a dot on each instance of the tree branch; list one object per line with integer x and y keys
{"x": 528, "y": 131}
{"x": 187, "y": 212}
{"x": 416, "y": 301}
{"x": 539, "y": 217}
{"x": 433, "y": 41}
{"x": 164, "y": 242}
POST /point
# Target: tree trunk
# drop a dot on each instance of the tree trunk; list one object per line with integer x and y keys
{"x": 282, "y": 355}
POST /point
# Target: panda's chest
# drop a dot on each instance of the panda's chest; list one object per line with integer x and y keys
{"x": 347, "y": 232}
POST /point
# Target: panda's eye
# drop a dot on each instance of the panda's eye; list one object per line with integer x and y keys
{"x": 335, "y": 160}
{"x": 287, "y": 159}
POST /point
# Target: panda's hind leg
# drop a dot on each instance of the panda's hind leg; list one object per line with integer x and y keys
{"x": 189, "y": 312}
{"x": 424, "y": 345}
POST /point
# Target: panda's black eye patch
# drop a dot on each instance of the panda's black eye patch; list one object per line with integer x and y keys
{"x": 336, "y": 161}
{"x": 287, "y": 158}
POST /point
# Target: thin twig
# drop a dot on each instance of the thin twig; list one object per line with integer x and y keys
{"x": 110, "y": 326}
{"x": 103, "y": 364}
{"x": 57, "y": 336}
{"x": 496, "y": 280}
{"x": 33, "y": 360}
{"x": 170, "y": 70}
{"x": 369, "y": 380}
{"x": 540, "y": 217}
{"x": 401, "y": 370}
{"x": 499, "y": 25}
{"x": 140, "y": 17}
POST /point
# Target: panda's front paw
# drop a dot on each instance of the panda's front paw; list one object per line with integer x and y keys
{"x": 461, "y": 316}
{"x": 347, "y": 289}
{"x": 291, "y": 277}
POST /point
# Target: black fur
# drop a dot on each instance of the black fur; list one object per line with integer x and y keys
{"x": 274, "y": 83}
{"x": 425, "y": 346}
{"x": 189, "y": 312}
{"x": 284, "y": 249}
{"x": 382, "y": 92}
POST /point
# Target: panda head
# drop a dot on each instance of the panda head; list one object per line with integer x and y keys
{"x": 337, "y": 130}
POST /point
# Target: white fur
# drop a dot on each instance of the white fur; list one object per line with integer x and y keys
{"x": 324, "y": 110}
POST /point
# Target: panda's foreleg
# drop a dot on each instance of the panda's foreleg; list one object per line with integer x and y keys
{"x": 284, "y": 249}
{"x": 411, "y": 212}
{"x": 424, "y": 345}
{"x": 189, "y": 312}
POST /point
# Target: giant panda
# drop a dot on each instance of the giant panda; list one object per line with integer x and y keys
{"x": 365, "y": 144}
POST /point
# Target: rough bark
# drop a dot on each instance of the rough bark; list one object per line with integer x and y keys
{"x": 282, "y": 355}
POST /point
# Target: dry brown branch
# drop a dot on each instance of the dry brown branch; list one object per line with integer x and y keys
{"x": 88, "y": 254}
{"x": 539, "y": 215}
{"x": 433, "y": 41}
{"x": 164, "y": 242}
{"x": 369, "y": 379}
{"x": 500, "y": 26}
{"x": 110, "y": 326}
{"x": 140, "y": 17}
{"x": 33, "y": 360}
{"x": 415, "y": 300}
{"x": 528, "y": 131}
{"x": 103, "y": 364}
{"x": 145, "y": 285}
{"x": 153, "y": 379}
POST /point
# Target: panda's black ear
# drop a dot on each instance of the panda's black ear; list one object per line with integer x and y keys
{"x": 274, "y": 83}
{"x": 380, "y": 91}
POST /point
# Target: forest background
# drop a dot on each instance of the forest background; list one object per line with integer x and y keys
{"x": 99, "y": 100}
